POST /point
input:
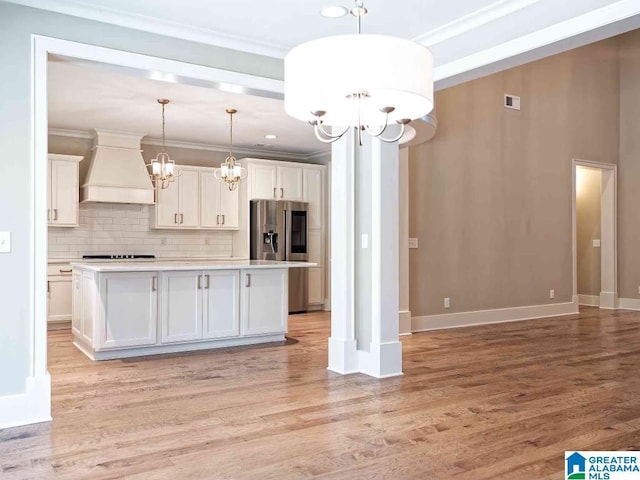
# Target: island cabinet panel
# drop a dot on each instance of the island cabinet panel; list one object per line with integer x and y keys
{"x": 181, "y": 310}
{"x": 128, "y": 309}
{"x": 265, "y": 301}
{"x": 221, "y": 304}
{"x": 76, "y": 308}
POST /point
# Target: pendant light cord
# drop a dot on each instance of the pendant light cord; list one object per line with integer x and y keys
{"x": 163, "y": 137}
{"x": 231, "y": 134}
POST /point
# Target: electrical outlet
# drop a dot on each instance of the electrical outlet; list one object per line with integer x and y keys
{"x": 447, "y": 302}
{"x": 638, "y": 289}
{"x": 552, "y": 294}
{"x": 5, "y": 242}
{"x": 163, "y": 241}
{"x": 413, "y": 243}
{"x": 206, "y": 240}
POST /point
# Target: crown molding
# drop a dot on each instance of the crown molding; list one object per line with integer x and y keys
{"x": 250, "y": 152}
{"x": 595, "y": 25}
{"x": 466, "y": 23}
{"x": 159, "y": 27}
{"x": 62, "y": 132}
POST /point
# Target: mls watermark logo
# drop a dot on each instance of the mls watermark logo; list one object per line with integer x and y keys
{"x": 584, "y": 465}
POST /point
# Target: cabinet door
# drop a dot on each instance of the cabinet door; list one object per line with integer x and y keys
{"x": 189, "y": 199}
{"x": 265, "y": 301}
{"x": 64, "y": 193}
{"x": 60, "y": 298}
{"x": 263, "y": 181}
{"x": 315, "y": 247}
{"x": 221, "y": 302}
{"x": 128, "y": 314}
{"x": 290, "y": 183}
{"x": 210, "y": 208}
{"x": 313, "y": 187}
{"x": 168, "y": 205}
{"x": 49, "y": 193}
{"x": 229, "y": 208}
{"x": 316, "y": 291}
{"x": 181, "y": 306}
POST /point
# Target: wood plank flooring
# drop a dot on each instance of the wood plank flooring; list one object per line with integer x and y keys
{"x": 488, "y": 402}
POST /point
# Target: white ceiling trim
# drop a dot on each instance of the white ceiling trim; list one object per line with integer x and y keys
{"x": 159, "y": 27}
{"x": 529, "y": 43}
{"x": 251, "y": 152}
{"x": 476, "y": 19}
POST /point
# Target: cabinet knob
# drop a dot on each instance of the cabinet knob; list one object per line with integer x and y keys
{"x": 208, "y": 277}
{"x": 274, "y": 193}
{"x": 281, "y": 192}
{"x": 55, "y": 214}
{"x": 199, "y": 282}
{"x": 217, "y": 219}
{"x": 175, "y": 218}
{"x": 223, "y": 219}
{"x": 248, "y": 283}
{"x": 182, "y": 218}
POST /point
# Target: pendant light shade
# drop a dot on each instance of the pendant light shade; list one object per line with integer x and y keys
{"x": 230, "y": 171}
{"x": 362, "y": 80}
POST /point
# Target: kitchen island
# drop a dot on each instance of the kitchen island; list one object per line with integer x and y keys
{"x": 135, "y": 308}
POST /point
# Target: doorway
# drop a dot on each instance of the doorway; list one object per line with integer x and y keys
{"x": 594, "y": 234}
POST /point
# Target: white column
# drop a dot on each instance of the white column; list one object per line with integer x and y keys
{"x": 608, "y": 274}
{"x": 343, "y": 356}
{"x": 365, "y": 259}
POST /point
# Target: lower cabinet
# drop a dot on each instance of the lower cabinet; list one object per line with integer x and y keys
{"x": 129, "y": 309}
{"x": 123, "y": 314}
{"x": 59, "y": 294}
{"x": 199, "y": 305}
{"x": 181, "y": 309}
{"x": 265, "y": 302}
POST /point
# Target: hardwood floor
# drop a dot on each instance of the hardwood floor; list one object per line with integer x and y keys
{"x": 489, "y": 402}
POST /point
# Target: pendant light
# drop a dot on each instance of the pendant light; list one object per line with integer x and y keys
{"x": 360, "y": 81}
{"x": 162, "y": 168}
{"x": 230, "y": 171}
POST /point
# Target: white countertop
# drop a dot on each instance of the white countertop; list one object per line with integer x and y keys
{"x": 173, "y": 265}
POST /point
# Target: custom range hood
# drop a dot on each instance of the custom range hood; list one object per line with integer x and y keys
{"x": 117, "y": 172}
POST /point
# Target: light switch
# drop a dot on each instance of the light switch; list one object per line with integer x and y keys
{"x": 596, "y": 243}
{"x": 413, "y": 243}
{"x": 365, "y": 240}
{"x": 5, "y": 242}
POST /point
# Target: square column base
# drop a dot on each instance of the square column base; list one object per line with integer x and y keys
{"x": 383, "y": 360}
{"x": 343, "y": 356}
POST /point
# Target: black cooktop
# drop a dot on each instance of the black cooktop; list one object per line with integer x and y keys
{"x": 116, "y": 257}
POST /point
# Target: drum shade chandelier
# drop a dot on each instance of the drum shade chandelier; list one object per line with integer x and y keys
{"x": 162, "y": 168}
{"x": 361, "y": 81}
{"x": 230, "y": 171}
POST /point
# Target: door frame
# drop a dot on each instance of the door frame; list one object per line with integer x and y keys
{"x": 609, "y": 237}
{"x": 39, "y": 402}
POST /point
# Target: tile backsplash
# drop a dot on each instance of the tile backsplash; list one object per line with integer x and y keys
{"x": 121, "y": 229}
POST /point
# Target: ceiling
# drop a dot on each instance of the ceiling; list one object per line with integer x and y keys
{"x": 469, "y": 38}
{"x": 464, "y": 35}
{"x": 82, "y": 97}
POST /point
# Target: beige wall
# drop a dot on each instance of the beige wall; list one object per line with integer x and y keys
{"x": 490, "y": 195}
{"x": 629, "y": 168}
{"x": 588, "y": 221}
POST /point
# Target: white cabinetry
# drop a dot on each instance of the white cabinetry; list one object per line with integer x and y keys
{"x": 274, "y": 182}
{"x": 59, "y": 294}
{"x": 63, "y": 190}
{"x": 197, "y": 305}
{"x": 128, "y": 315}
{"x": 218, "y": 204}
{"x": 196, "y": 200}
{"x": 178, "y": 205}
{"x": 221, "y": 304}
{"x": 264, "y": 301}
{"x": 181, "y": 306}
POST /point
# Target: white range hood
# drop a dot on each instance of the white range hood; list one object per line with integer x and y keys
{"x": 117, "y": 172}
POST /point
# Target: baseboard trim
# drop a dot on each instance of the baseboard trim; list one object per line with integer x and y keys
{"x": 484, "y": 317}
{"x": 405, "y": 322}
{"x": 589, "y": 300}
{"x": 629, "y": 303}
{"x": 32, "y": 406}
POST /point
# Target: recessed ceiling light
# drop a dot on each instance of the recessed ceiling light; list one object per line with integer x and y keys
{"x": 334, "y": 11}
{"x": 270, "y": 136}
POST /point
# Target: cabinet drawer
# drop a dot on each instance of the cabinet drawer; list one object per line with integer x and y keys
{"x": 58, "y": 269}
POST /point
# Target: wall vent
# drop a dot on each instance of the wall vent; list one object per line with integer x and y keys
{"x": 511, "y": 101}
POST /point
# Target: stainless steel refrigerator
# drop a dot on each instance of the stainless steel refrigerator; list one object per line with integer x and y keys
{"x": 279, "y": 232}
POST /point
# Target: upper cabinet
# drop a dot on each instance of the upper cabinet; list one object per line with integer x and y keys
{"x": 196, "y": 200}
{"x": 177, "y": 206}
{"x": 269, "y": 181}
{"x": 63, "y": 188}
{"x": 218, "y": 204}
